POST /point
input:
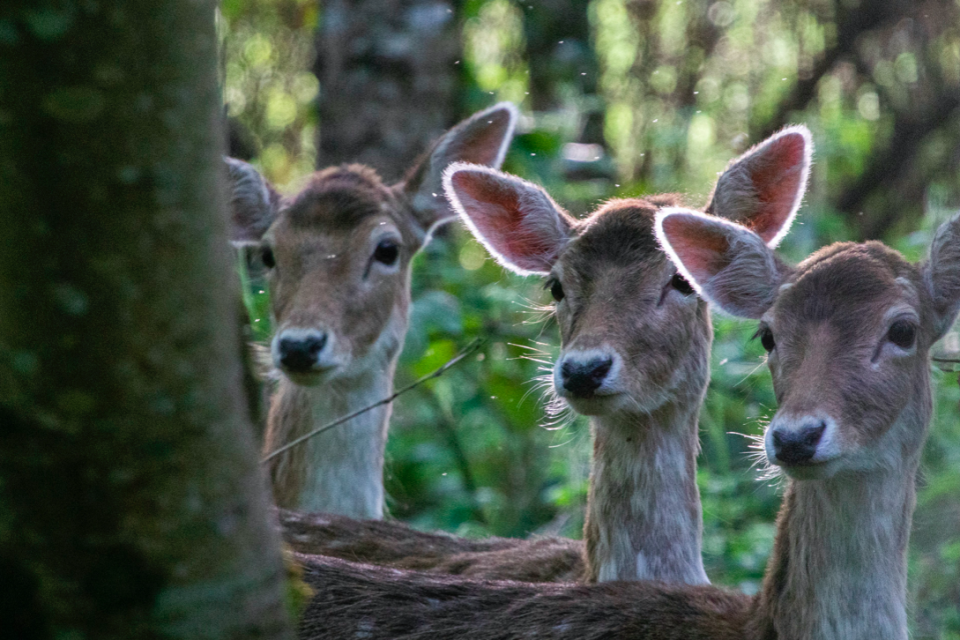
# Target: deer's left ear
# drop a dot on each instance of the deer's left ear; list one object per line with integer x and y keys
{"x": 729, "y": 265}
{"x": 942, "y": 274}
{"x": 253, "y": 202}
{"x": 762, "y": 189}
{"x": 481, "y": 139}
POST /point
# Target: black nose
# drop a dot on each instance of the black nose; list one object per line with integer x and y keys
{"x": 799, "y": 445}
{"x": 300, "y": 354}
{"x": 583, "y": 378}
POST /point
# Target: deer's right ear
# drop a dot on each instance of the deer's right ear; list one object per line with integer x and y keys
{"x": 942, "y": 274}
{"x": 514, "y": 219}
{"x": 481, "y": 139}
{"x": 253, "y": 203}
{"x": 726, "y": 263}
{"x": 762, "y": 189}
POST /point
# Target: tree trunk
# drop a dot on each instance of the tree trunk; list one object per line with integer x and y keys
{"x": 131, "y": 505}
{"x": 389, "y": 75}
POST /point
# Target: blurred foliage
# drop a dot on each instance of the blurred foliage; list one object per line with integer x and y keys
{"x": 684, "y": 87}
{"x": 267, "y": 49}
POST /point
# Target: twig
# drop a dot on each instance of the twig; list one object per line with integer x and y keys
{"x": 466, "y": 351}
{"x": 947, "y": 364}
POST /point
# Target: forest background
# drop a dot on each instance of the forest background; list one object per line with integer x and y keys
{"x": 619, "y": 98}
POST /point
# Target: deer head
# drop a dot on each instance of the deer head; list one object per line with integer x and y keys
{"x": 848, "y": 332}
{"x": 338, "y": 253}
{"x": 634, "y": 333}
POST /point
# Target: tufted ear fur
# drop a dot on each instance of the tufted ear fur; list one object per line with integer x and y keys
{"x": 942, "y": 274}
{"x": 253, "y": 203}
{"x": 482, "y": 139}
{"x": 762, "y": 189}
{"x": 726, "y": 263}
{"x": 521, "y": 226}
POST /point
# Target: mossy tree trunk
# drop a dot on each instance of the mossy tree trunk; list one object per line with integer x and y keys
{"x": 389, "y": 74}
{"x": 131, "y": 505}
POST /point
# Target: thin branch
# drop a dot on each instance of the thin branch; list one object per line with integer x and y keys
{"x": 947, "y": 365}
{"x": 850, "y": 25}
{"x": 446, "y": 425}
{"x": 466, "y": 351}
{"x": 887, "y": 166}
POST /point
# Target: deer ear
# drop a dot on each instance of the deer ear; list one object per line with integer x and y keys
{"x": 481, "y": 139}
{"x": 253, "y": 203}
{"x": 521, "y": 226}
{"x": 727, "y": 264}
{"x": 942, "y": 274}
{"x": 762, "y": 189}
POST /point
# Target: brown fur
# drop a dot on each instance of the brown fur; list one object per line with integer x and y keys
{"x": 361, "y": 601}
{"x": 394, "y": 544}
{"x": 322, "y": 242}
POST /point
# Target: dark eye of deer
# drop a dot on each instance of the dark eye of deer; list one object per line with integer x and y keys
{"x": 556, "y": 290}
{"x": 902, "y": 333}
{"x": 386, "y": 252}
{"x": 766, "y": 339}
{"x": 680, "y": 283}
{"x": 267, "y": 257}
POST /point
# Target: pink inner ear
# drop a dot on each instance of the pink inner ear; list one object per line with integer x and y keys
{"x": 494, "y": 207}
{"x": 480, "y": 143}
{"x": 702, "y": 249}
{"x": 777, "y": 174}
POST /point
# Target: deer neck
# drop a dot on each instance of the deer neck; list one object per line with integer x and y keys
{"x": 340, "y": 470}
{"x": 839, "y": 568}
{"x": 644, "y": 520}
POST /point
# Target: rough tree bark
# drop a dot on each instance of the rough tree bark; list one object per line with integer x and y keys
{"x": 131, "y": 505}
{"x": 388, "y": 80}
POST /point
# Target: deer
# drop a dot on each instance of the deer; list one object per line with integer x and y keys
{"x": 635, "y": 358}
{"x": 848, "y": 333}
{"x": 338, "y": 258}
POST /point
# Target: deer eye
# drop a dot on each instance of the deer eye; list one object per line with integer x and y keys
{"x": 386, "y": 252}
{"x": 680, "y": 283}
{"x": 766, "y": 338}
{"x": 266, "y": 256}
{"x": 902, "y": 333}
{"x": 556, "y": 289}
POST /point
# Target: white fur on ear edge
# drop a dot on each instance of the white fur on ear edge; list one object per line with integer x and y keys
{"x": 521, "y": 184}
{"x": 668, "y": 248}
{"x": 803, "y": 132}
{"x": 700, "y": 287}
{"x": 514, "y": 115}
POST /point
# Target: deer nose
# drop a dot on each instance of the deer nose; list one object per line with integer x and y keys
{"x": 583, "y": 378}
{"x": 798, "y": 446}
{"x": 299, "y": 354}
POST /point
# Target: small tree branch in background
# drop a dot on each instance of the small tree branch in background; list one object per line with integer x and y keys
{"x": 447, "y": 426}
{"x": 466, "y": 351}
{"x": 887, "y": 165}
{"x": 851, "y": 23}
